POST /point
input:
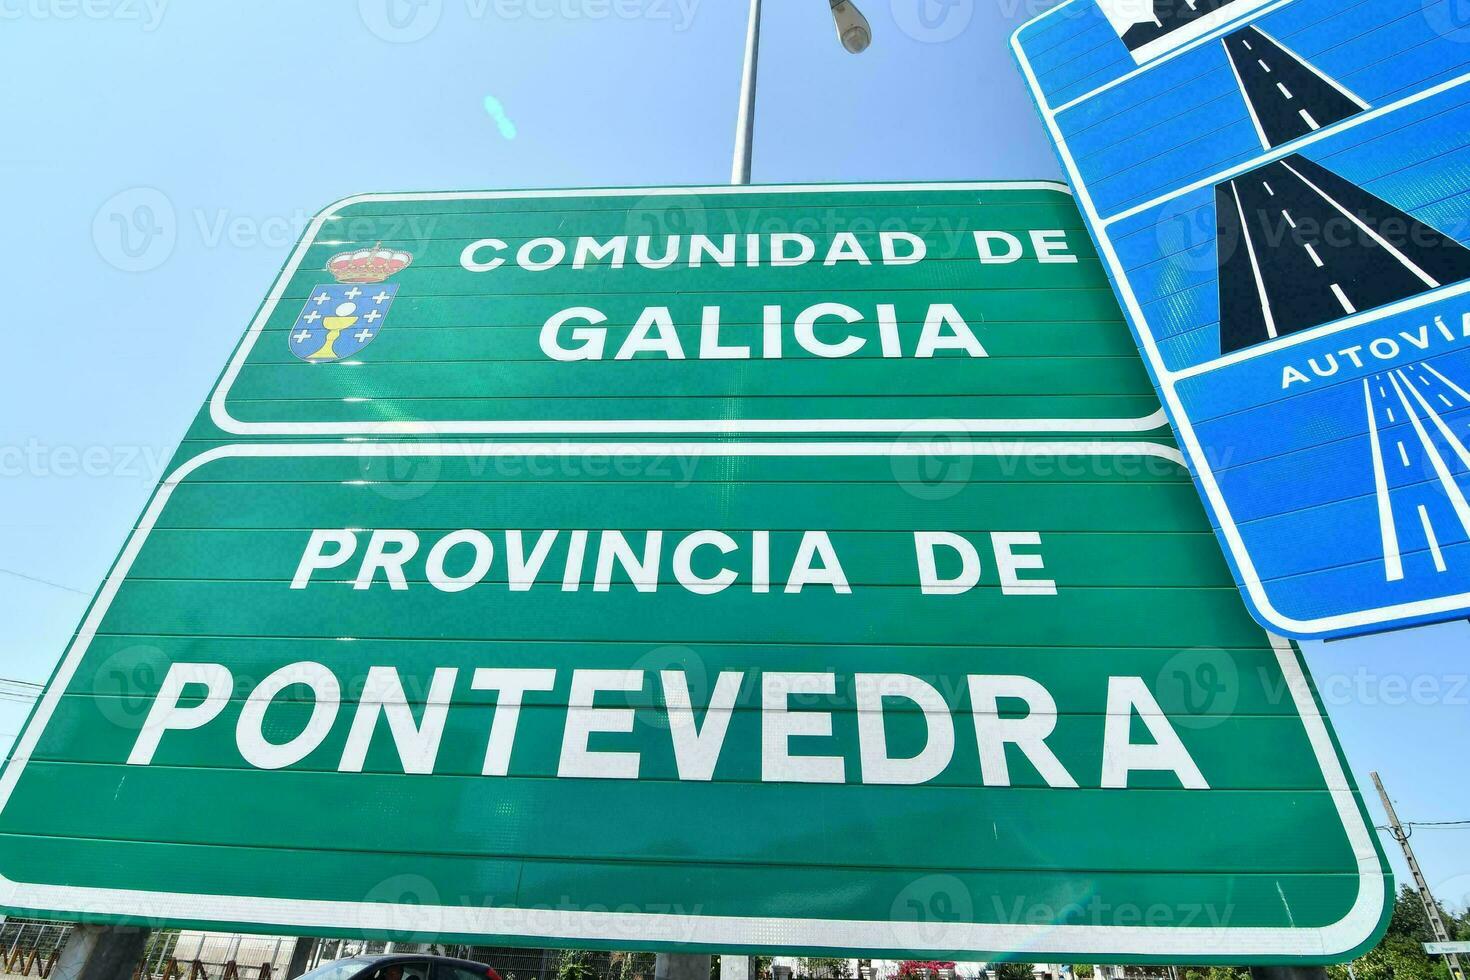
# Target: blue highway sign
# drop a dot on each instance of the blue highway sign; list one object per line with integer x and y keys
{"x": 1281, "y": 194}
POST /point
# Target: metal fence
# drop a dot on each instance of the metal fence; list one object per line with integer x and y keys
{"x": 175, "y": 955}
{"x": 29, "y": 948}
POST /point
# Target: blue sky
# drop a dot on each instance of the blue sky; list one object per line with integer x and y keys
{"x": 220, "y": 128}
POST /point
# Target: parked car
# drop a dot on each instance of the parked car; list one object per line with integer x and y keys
{"x": 402, "y": 966}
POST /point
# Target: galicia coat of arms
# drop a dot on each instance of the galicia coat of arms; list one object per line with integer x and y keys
{"x": 341, "y": 318}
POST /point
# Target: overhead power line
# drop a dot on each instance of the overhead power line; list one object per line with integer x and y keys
{"x": 16, "y": 691}
{"x": 43, "y": 581}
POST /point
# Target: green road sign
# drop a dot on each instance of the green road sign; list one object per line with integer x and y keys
{"x": 959, "y": 699}
{"x": 970, "y": 307}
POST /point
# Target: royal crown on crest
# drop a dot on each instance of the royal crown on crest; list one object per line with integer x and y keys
{"x": 368, "y": 264}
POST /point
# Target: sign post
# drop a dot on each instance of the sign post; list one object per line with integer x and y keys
{"x": 959, "y": 699}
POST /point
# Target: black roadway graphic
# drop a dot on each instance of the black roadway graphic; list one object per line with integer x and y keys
{"x": 1169, "y": 16}
{"x": 1300, "y": 246}
{"x": 1287, "y": 97}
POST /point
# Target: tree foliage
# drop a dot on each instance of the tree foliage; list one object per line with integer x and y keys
{"x": 1013, "y": 971}
{"x": 1214, "y": 973}
{"x": 575, "y": 964}
{"x": 1401, "y": 956}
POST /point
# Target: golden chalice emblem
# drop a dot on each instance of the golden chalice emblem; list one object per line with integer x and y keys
{"x": 343, "y": 317}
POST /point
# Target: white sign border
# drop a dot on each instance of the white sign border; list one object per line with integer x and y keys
{"x": 1167, "y": 380}
{"x": 722, "y": 932}
{"x": 219, "y": 411}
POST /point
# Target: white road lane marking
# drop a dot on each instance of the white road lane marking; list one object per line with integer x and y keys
{"x": 1393, "y": 563}
{"x": 1249, "y": 106}
{"x": 1287, "y": 215}
{"x": 1247, "y": 44}
{"x": 1284, "y": 90}
{"x": 1446, "y": 399}
{"x": 1268, "y": 188}
{"x": 1453, "y": 387}
{"x": 1317, "y": 262}
{"x": 1446, "y": 479}
{"x": 1311, "y": 68}
{"x": 1255, "y": 163}
{"x": 1439, "y": 422}
{"x": 1307, "y": 118}
{"x": 1403, "y": 453}
{"x": 1347, "y": 307}
{"x": 1433, "y": 541}
{"x": 1250, "y": 250}
{"x": 1423, "y": 380}
{"x": 1264, "y": 67}
{"x": 1424, "y": 277}
{"x": 1389, "y": 413}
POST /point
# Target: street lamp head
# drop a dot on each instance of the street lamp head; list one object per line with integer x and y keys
{"x": 852, "y": 26}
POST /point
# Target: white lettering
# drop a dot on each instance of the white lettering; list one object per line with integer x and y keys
{"x": 1028, "y": 733}
{"x": 878, "y": 765}
{"x": 583, "y": 720}
{"x": 696, "y": 748}
{"x": 779, "y": 725}
{"x": 511, "y": 685}
{"x": 166, "y": 715}
{"x": 1121, "y": 756}
{"x": 417, "y": 743}
{"x": 250, "y": 738}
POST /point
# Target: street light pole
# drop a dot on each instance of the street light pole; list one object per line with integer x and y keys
{"x": 745, "y": 121}
{"x": 852, "y": 30}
